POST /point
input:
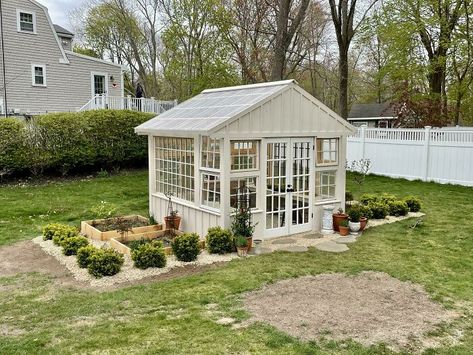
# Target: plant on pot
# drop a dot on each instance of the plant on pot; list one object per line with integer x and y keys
{"x": 354, "y": 223}
{"x": 172, "y": 220}
{"x": 241, "y": 244}
{"x": 365, "y": 216}
{"x": 344, "y": 229}
{"x": 242, "y": 225}
{"x": 338, "y": 218}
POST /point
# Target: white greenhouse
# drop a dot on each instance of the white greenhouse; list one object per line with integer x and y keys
{"x": 273, "y": 142}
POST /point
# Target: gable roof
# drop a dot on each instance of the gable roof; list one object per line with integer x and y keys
{"x": 62, "y": 31}
{"x": 383, "y": 110}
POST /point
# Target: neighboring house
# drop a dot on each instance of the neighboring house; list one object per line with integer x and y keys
{"x": 273, "y": 143}
{"x": 42, "y": 73}
{"x": 372, "y": 115}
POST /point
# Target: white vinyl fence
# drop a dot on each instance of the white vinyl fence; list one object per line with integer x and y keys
{"x": 440, "y": 155}
{"x": 149, "y": 105}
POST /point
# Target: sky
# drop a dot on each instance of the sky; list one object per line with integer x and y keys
{"x": 59, "y": 10}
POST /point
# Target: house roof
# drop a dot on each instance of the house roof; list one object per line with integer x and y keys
{"x": 62, "y": 31}
{"x": 211, "y": 108}
{"x": 373, "y": 111}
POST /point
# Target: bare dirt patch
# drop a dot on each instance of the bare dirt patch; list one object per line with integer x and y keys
{"x": 370, "y": 308}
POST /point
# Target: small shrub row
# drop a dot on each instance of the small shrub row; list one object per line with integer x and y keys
{"x": 186, "y": 246}
{"x": 100, "y": 262}
{"x": 65, "y": 236}
{"x": 147, "y": 255}
{"x": 379, "y": 206}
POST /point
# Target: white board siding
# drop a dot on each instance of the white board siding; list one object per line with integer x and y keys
{"x": 68, "y": 85}
{"x": 426, "y": 154}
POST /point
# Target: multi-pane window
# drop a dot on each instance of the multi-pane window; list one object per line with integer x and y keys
{"x": 175, "y": 166}
{"x": 39, "y": 75}
{"x": 26, "y": 22}
{"x": 327, "y": 151}
{"x": 210, "y": 153}
{"x": 325, "y": 185}
{"x": 244, "y": 155}
{"x": 211, "y": 190}
{"x": 243, "y": 192}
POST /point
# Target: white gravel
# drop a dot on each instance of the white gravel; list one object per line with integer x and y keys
{"x": 128, "y": 272}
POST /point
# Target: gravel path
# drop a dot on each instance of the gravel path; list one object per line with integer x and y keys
{"x": 128, "y": 272}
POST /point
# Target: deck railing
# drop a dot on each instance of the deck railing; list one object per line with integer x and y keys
{"x": 150, "y": 105}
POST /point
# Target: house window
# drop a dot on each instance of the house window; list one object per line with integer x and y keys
{"x": 327, "y": 151}
{"x": 175, "y": 166}
{"x": 26, "y": 21}
{"x": 211, "y": 190}
{"x": 244, "y": 155}
{"x": 210, "y": 153}
{"x": 38, "y": 73}
{"x": 325, "y": 185}
{"x": 243, "y": 190}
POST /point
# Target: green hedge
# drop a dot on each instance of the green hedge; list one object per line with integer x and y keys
{"x": 72, "y": 142}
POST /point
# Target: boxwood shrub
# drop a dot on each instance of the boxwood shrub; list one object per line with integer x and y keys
{"x": 149, "y": 255}
{"x": 413, "y": 203}
{"x": 379, "y": 210}
{"x": 219, "y": 240}
{"x": 71, "y": 245}
{"x": 366, "y": 199}
{"x": 186, "y": 246}
{"x": 84, "y": 254}
{"x": 58, "y": 232}
{"x": 398, "y": 208}
{"x": 105, "y": 262}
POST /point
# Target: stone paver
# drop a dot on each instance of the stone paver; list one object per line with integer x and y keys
{"x": 262, "y": 250}
{"x": 294, "y": 248}
{"x": 332, "y": 247}
{"x": 284, "y": 241}
{"x": 313, "y": 236}
{"x": 346, "y": 240}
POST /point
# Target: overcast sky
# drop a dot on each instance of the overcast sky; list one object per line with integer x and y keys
{"x": 59, "y": 10}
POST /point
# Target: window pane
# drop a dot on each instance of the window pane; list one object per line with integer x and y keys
{"x": 26, "y": 22}
{"x": 244, "y": 155}
{"x": 210, "y": 153}
{"x": 211, "y": 190}
{"x": 325, "y": 185}
{"x": 243, "y": 192}
{"x": 327, "y": 151}
{"x": 174, "y": 167}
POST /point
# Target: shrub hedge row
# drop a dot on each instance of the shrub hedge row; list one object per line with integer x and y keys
{"x": 71, "y": 142}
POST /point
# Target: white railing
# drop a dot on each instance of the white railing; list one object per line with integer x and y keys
{"x": 150, "y": 105}
{"x": 444, "y": 156}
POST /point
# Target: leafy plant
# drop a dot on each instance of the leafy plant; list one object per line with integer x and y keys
{"x": 355, "y": 213}
{"x": 103, "y": 210}
{"x": 366, "y": 199}
{"x": 387, "y": 198}
{"x": 71, "y": 245}
{"x": 348, "y": 196}
{"x": 51, "y": 229}
{"x": 149, "y": 255}
{"x": 186, "y": 246}
{"x": 60, "y": 232}
{"x": 344, "y": 223}
{"x": 83, "y": 255}
{"x": 413, "y": 203}
{"x": 366, "y": 211}
{"x": 241, "y": 224}
{"x": 398, "y": 208}
{"x": 379, "y": 210}
{"x": 219, "y": 240}
{"x": 105, "y": 262}
{"x": 241, "y": 241}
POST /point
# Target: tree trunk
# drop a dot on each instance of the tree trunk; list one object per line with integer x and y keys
{"x": 343, "y": 82}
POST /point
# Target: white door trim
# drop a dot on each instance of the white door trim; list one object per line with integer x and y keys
{"x": 92, "y": 83}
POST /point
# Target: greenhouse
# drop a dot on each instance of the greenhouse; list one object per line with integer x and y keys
{"x": 272, "y": 145}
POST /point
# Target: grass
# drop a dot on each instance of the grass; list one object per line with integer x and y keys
{"x": 172, "y": 317}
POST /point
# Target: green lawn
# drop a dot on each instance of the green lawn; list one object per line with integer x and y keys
{"x": 171, "y": 317}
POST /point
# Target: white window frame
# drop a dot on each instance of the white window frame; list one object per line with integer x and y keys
{"x": 18, "y": 22}
{"x": 33, "y": 76}
{"x": 92, "y": 82}
{"x": 257, "y": 156}
{"x": 337, "y": 151}
{"x": 214, "y": 152}
{"x": 209, "y": 171}
{"x": 318, "y": 198}
{"x": 245, "y": 176}
{"x": 215, "y": 191}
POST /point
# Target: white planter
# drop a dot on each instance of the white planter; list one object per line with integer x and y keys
{"x": 354, "y": 227}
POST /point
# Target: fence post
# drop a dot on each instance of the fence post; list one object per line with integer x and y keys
{"x": 363, "y": 141}
{"x": 175, "y": 102}
{"x": 425, "y": 155}
{"x": 153, "y": 105}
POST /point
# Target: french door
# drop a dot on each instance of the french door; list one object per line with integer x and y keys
{"x": 288, "y": 202}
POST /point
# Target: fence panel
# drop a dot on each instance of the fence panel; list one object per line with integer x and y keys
{"x": 444, "y": 156}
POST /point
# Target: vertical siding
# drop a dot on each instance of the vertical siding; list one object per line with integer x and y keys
{"x": 68, "y": 85}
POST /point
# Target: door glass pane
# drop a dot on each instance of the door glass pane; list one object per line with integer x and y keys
{"x": 300, "y": 182}
{"x": 99, "y": 84}
{"x": 276, "y": 185}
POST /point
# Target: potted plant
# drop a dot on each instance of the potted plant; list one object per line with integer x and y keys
{"x": 241, "y": 244}
{"x": 172, "y": 220}
{"x": 344, "y": 229}
{"x": 365, "y": 215}
{"x": 337, "y": 218}
{"x": 242, "y": 225}
{"x": 354, "y": 223}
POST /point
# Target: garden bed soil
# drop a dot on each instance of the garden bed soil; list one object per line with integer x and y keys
{"x": 370, "y": 308}
{"x": 96, "y": 229}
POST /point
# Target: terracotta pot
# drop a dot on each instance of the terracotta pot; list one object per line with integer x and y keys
{"x": 242, "y": 251}
{"x": 337, "y": 219}
{"x": 172, "y": 222}
{"x": 344, "y": 231}
{"x": 363, "y": 223}
{"x": 250, "y": 243}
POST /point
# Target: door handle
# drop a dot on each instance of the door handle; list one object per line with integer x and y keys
{"x": 289, "y": 188}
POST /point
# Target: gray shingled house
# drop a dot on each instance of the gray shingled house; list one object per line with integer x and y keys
{"x": 42, "y": 74}
{"x": 372, "y": 115}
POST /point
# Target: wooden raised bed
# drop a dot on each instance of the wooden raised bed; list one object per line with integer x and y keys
{"x": 118, "y": 245}
{"x": 150, "y": 231}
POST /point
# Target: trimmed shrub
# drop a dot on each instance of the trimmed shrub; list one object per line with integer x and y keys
{"x": 105, "y": 262}
{"x": 186, "y": 246}
{"x": 398, "y": 208}
{"x": 379, "y": 210}
{"x": 149, "y": 255}
{"x": 58, "y": 232}
{"x": 413, "y": 203}
{"x": 387, "y": 198}
{"x": 71, "y": 245}
{"x": 366, "y": 199}
{"x": 355, "y": 213}
{"x": 219, "y": 240}
{"x": 14, "y": 152}
{"x": 50, "y": 229}
{"x": 84, "y": 254}
{"x": 366, "y": 211}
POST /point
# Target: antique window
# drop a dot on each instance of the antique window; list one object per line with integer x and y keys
{"x": 325, "y": 185}
{"x": 210, "y": 186}
{"x": 243, "y": 190}
{"x": 244, "y": 155}
{"x": 327, "y": 151}
{"x": 210, "y": 153}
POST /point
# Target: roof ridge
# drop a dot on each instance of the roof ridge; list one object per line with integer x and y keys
{"x": 251, "y": 86}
